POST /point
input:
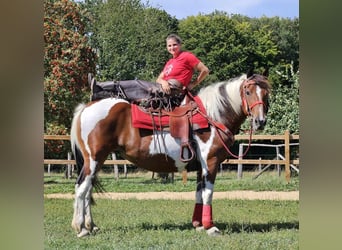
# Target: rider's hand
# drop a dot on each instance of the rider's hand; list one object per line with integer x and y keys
{"x": 166, "y": 87}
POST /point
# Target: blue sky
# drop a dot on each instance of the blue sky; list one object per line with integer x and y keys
{"x": 252, "y": 8}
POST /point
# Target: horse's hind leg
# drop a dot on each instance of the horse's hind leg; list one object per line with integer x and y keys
{"x": 78, "y": 221}
{"x": 89, "y": 223}
{"x": 82, "y": 219}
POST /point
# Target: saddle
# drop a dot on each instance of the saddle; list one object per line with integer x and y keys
{"x": 180, "y": 123}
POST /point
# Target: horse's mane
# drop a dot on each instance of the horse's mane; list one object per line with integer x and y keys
{"x": 217, "y": 96}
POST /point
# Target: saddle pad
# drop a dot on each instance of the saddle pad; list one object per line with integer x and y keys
{"x": 141, "y": 119}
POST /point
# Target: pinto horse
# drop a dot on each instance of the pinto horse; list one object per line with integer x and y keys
{"x": 105, "y": 126}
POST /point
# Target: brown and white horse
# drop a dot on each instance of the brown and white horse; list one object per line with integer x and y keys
{"x": 105, "y": 126}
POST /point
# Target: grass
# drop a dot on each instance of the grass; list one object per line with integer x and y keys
{"x": 143, "y": 182}
{"x": 164, "y": 224}
{"x": 160, "y": 224}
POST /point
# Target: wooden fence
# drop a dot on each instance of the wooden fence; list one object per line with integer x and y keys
{"x": 284, "y": 160}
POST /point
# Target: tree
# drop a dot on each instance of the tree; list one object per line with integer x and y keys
{"x": 130, "y": 39}
{"x": 285, "y": 34}
{"x": 229, "y": 47}
{"x": 67, "y": 60}
{"x": 284, "y": 109}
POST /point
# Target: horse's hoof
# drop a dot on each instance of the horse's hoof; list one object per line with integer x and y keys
{"x": 95, "y": 229}
{"x": 199, "y": 229}
{"x": 196, "y": 224}
{"x": 83, "y": 233}
{"x": 213, "y": 231}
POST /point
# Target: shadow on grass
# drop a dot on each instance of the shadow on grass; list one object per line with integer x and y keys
{"x": 224, "y": 227}
{"x": 257, "y": 227}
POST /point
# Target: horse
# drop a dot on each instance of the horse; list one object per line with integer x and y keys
{"x": 105, "y": 126}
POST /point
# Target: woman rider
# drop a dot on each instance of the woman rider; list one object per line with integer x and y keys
{"x": 176, "y": 74}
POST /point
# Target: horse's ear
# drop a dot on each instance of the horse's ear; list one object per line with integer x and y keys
{"x": 250, "y": 72}
{"x": 265, "y": 73}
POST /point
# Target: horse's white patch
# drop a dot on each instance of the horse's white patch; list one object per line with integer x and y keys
{"x": 92, "y": 114}
{"x": 82, "y": 189}
{"x": 233, "y": 92}
{"x": 261, "y": 110}
{"x": 162, "y": 139}
{"x": 204, "y": 148}
{"x": 207, "y": 194}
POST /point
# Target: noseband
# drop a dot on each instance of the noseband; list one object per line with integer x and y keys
{"x": 248, "y": 107}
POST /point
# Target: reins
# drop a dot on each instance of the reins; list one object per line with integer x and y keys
{"x": 221, "y": 128}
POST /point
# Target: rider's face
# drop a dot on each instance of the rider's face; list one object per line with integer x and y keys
{"x": 173, "y": 47}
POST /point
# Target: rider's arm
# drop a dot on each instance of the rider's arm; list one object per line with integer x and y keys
{"x": 165, "y": 85}
{"x": 203, "y": 72}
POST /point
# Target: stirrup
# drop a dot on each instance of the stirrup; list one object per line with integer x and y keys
{"x": 190, "y": 149}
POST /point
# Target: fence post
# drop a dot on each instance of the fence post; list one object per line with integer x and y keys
{"x": 277, "y": 158}
{"x": 184, "y": 176}
{"x": 69, "y": 171}
{"x": 287, "y": 156}
{"x": 116, "y": 169}
{"x": 125, "y": 170}
{"x": 240, "y": 164}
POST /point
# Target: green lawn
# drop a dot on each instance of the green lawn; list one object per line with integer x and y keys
{"x": 161, "y": 224}
{"x": 143, "y": 182}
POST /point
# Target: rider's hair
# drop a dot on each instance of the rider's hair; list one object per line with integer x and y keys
{"x": 174, "y": 36}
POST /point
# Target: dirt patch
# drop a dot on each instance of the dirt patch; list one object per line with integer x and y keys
{"x": 244, "y": 195}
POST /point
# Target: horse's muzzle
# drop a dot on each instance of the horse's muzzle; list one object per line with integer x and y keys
{"x": 259, "y": 124}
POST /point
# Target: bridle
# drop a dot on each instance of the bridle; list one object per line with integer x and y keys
{"x": 248, "y": 107}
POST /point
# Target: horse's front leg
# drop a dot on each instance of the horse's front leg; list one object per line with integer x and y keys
{"x": 207, "y": 212}
{"x": 203, "y": 216}
{"x": 197, "y": 214}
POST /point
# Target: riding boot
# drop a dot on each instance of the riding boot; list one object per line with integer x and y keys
{"x": 101, "y": 95}
{"x": 95, "y": 88}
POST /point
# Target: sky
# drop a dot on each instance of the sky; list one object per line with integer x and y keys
{"x": 251, "y": 8}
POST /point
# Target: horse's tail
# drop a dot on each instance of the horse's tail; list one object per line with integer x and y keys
{"x": 75, "y": 143}
{"x": 78, "y": 154}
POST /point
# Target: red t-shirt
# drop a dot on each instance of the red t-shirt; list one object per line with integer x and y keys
{"x": 181, "y": 68}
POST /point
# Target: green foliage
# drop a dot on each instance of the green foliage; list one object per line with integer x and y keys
{"x": 67, "y": 60}
{"x": 284, "y": 102}
{"x": 228, "y": 46}
{"x": 285, "y": 34}
{"x": 165, "y": 224}
{"x": 131, "y": 39}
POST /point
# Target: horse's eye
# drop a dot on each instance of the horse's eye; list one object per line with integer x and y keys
{"x": 247, "y": 92}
